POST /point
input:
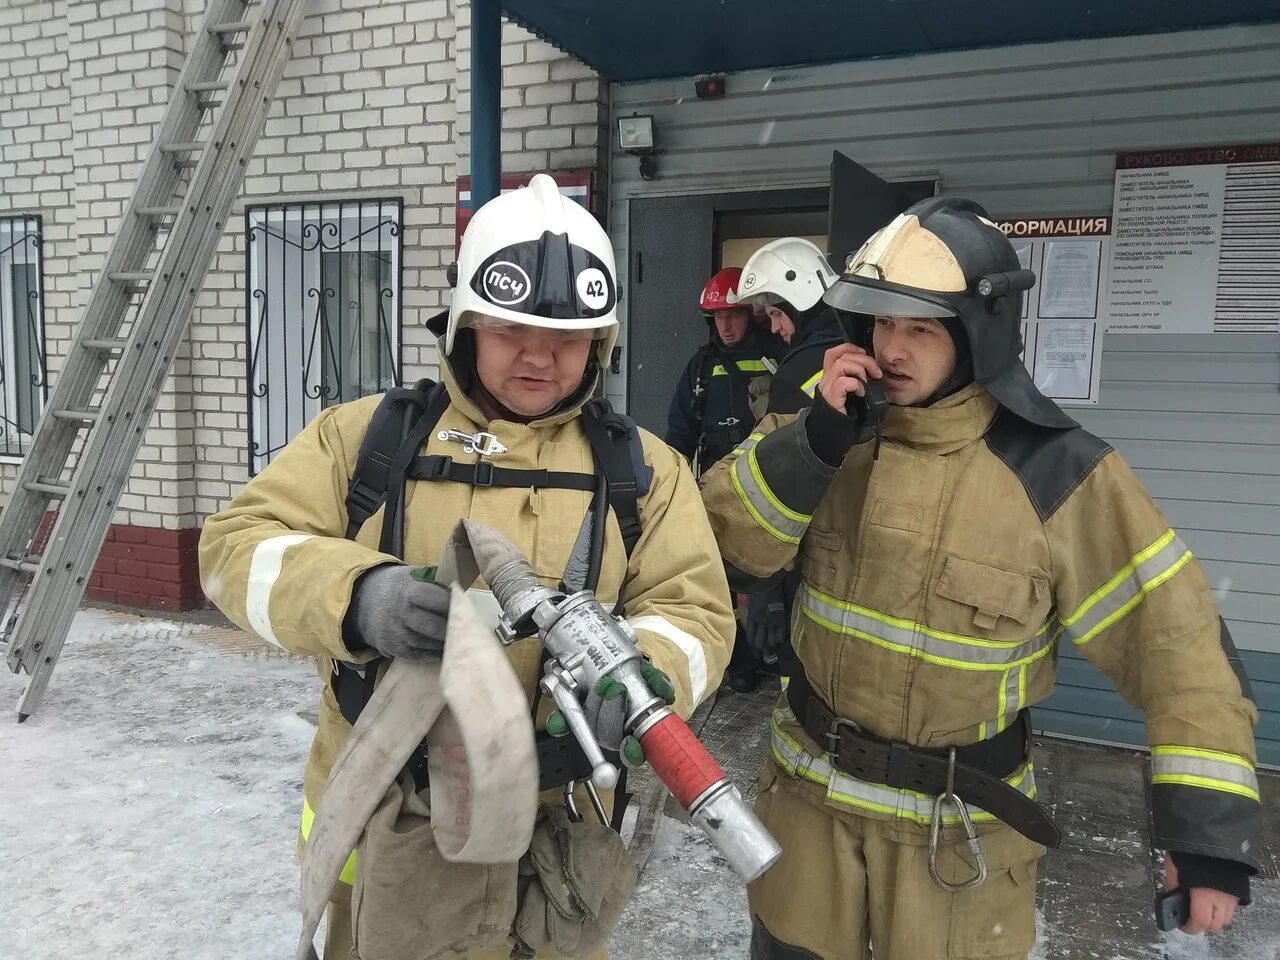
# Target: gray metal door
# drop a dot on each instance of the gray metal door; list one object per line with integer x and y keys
{"x": 672, "y": 245}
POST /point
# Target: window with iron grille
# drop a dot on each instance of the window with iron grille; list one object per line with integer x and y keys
{"x": 323, "y": 310}
{"x": 23, "y": 376}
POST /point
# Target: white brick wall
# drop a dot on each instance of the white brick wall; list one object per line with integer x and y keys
{"x": 37, "y": 167}
{"x": 374, "y": 104}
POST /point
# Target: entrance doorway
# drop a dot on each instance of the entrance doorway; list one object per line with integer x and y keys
{"x": 674, "y": 248}
{"x": 676, "y": 243}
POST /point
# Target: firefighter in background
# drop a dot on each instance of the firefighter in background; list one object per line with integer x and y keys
{"x": 943, "y": 551}
{"x": 721, "y": 394}
{"x": 531, "y": 324}
{"x": 725, "y": 386}
{"x": 785, "y": 278}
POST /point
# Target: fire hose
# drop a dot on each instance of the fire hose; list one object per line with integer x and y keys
{"x": 469, "y": 706}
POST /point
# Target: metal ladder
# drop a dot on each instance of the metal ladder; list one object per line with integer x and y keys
{"x": 162, "y": 252}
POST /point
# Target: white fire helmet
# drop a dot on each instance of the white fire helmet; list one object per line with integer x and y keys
{"x": 533, "y": 256}
{"x": 789, "y": 269}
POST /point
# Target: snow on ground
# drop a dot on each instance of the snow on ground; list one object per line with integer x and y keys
{"x": 151, "y": 803}
{"x": 150, "y": 811}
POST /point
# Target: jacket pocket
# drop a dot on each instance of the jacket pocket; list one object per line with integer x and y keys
{"x": 817, "y": 556}
{"x": 896, "y": 516}
{"x": 986, "y": 594}
{"x": 409, "y": 903}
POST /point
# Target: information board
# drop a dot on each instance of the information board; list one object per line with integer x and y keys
{"x": 1062, "y": 325}
{"x": 1196, "y": 245}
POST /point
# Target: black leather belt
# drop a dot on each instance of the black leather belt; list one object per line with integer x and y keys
{"x": 979, "y": 769}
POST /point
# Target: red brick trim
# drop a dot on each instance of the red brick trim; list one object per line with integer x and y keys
{"x": 148, "y": 567}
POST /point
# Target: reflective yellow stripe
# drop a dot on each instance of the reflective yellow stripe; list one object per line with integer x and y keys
{"x": 746, "y": 366}
{"x": 1206, "y": 769}
{"x": 1205, "y": 783}
{"x": 811, "y": 385}
{"x": 1011, "y": 694}
{"x": 849, "y": 791}
{"x": 348, "y": 875}
{"x": 917, "y": 640}
{"x": 1115, "y": 598}
{"x": 775, "y": 517}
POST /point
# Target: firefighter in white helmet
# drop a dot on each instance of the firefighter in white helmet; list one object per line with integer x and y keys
{"x": 327, "y": 551}
{"x": 785, "y": 278}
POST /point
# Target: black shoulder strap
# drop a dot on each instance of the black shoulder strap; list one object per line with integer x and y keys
{"x": 615, "y": 444}
{"x": 400, "y": 410}
{"x": 614, "y": 438}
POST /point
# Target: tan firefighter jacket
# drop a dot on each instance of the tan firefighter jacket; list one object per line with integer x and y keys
{"x": 939, "y": 576}
{"x": 275, "y": 561}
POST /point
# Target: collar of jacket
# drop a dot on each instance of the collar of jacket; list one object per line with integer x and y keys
{"x": 748, "y": 348}
{"x": 463, "y": 403}
{"x": 823, "y": 328}
{"x": 950, "y": 424}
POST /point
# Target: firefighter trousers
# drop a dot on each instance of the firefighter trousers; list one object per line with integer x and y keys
{"x": 848, "y": 886}
{"x": 339, "y": 938}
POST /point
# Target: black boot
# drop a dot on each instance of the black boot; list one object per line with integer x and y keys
{"x": 743, "y": 672}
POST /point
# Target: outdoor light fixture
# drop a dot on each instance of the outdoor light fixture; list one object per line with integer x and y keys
{"x": 635, "y": 136}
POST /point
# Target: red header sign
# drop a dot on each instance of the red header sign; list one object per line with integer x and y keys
{"x": 574, "y": 184}
{"x": 1198, "y": 156}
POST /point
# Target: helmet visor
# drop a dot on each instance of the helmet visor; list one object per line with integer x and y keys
{"x": 884, "y": 299}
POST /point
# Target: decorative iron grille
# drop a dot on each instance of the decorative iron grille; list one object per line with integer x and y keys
{"x": 323, "y": 309}
{"x": 23, "y": 374}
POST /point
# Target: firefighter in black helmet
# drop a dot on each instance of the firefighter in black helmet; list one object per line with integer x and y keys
{"x": 944, "y": 551}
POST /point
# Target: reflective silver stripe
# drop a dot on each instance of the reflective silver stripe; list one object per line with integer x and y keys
{"x": 767, "y": 510}
{"x": 1190, "y": 766}
{"x": 688, "y": 645}
{"x": 264, "y": 570}
{"x": 1123, "y": 592}
{"x": 1012, "y": 694}
{"x": 861, "y": 794}
{"x": 917, "y": 640}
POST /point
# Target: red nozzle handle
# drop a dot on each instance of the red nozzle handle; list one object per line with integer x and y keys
{"x": 680, "y": 759}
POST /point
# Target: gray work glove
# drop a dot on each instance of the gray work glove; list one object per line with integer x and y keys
{"x": 765, "y": 628}
{"x": 399, "y": 611}
{"x": 606, "y": 709}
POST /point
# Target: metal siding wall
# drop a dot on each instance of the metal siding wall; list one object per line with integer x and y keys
{"x": 1026, "y": 131}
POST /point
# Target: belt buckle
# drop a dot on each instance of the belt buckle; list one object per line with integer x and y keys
{"x": 832, "y": 737}
{"x": 948, "y": 795}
